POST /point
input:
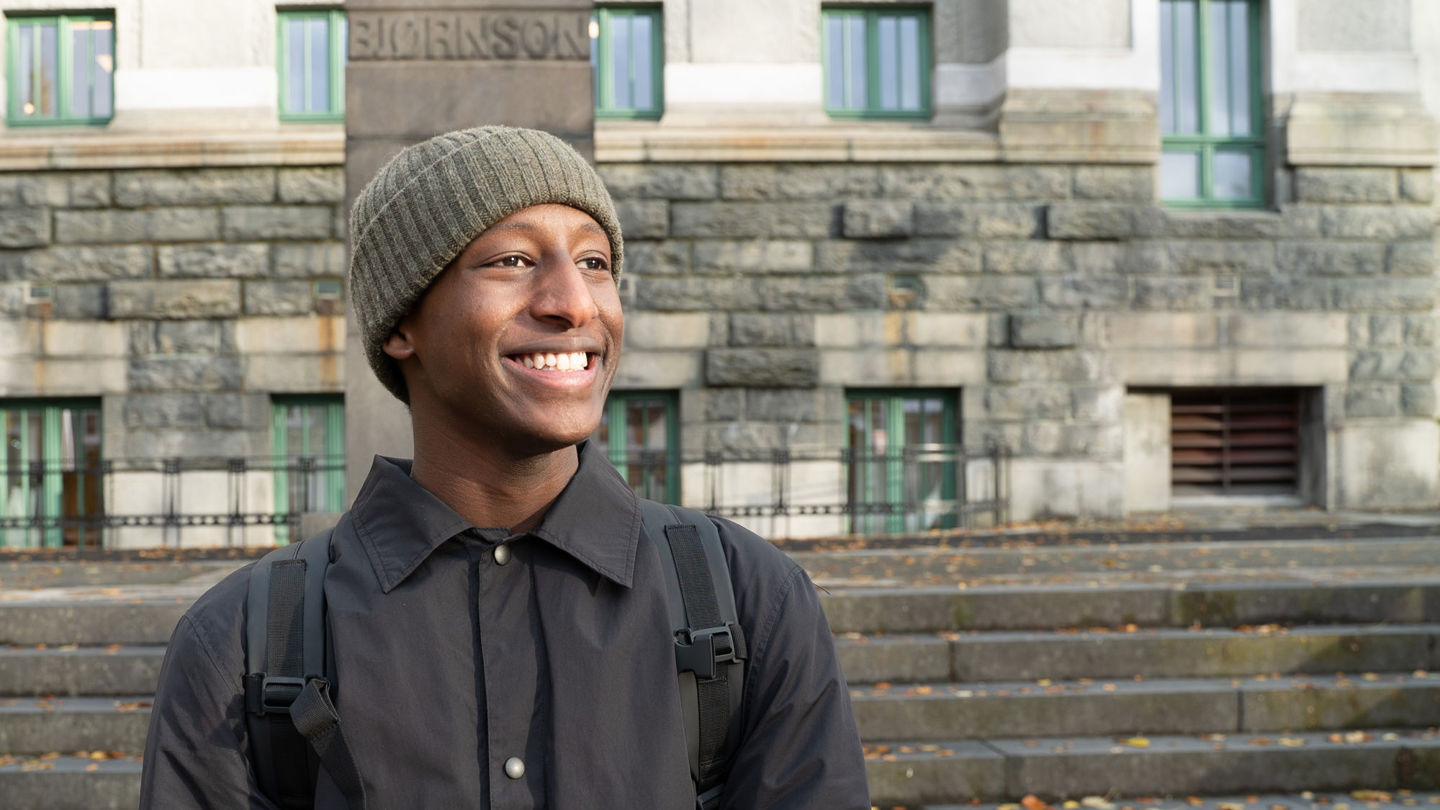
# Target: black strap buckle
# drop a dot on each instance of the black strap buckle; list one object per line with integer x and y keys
{"x": 703, "y": 651}
{"x": 265, "y": 694}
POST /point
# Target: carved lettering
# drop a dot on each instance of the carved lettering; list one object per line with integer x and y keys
{"x": 405, "y": 39}
{"x": 439, "y": 37}
{"x": 362, "y": 39}
{"x": 507, "y": 35}
{"x": 474, "y": 35}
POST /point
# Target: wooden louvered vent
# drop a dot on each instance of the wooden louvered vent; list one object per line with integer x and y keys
{"x": 1237, "y": 442}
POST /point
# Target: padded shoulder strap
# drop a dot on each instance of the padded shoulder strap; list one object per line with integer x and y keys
{"x": 710, "y": 647}
{"x": 287, "y": 699}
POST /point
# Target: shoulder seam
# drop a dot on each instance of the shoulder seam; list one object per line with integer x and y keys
{"x": 761, "y": 644}
{"x": 209, "y": 651}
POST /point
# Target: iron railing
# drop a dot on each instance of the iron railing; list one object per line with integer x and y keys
{"x": 222, "y": 501}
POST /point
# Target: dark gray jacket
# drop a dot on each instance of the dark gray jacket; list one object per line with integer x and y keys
{"x": 451, "y": 659}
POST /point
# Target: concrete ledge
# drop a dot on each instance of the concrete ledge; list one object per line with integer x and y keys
{"x": 308, "y": 146}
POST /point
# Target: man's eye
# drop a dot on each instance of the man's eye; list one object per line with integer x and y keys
{"x": 509, "y": 261}
{"x": 594, "y": 263}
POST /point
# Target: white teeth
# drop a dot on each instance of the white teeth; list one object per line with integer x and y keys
{"x": 547, "y": 361}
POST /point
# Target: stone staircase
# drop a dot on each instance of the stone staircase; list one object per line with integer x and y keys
{"x": 1222, "y": 674}
{"x": 1186, "y": 670}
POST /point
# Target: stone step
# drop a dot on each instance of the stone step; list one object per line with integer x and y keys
{"x": 1044, "y": 607}
{"x": 38, "y": 725}
{"x": 1164, "y": 653}
{"x": 924, "y": 772}
{"x": 949, "y": 711}
{"x": 1358, "y": 799}
{"x": 70, "y": 783}
{"x": 71, "y": 670}
{"x": 96, "y": 621}
{"x": 936, "y": 564}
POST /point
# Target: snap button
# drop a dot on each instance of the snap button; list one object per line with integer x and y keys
{"x": 502, "y": 556}
{"x": 514, "y": 767}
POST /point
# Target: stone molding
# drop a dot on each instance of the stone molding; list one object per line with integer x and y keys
{"x": 1349, "y": 129}
{"x": 310, "y": 145}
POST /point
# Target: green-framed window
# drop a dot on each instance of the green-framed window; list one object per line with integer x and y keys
{"x": 876, "y": 61}
{"x": 311, "y": 47}
{"x": 640, "y": 433}
{"x": 903, "y": 460}
{"x": 627, "y": 55}
{"x": 309, "y": 444}
{"x": 1211, "y": 115}
{"x": 60, "y": 69}
{"x": 51, "y": 473}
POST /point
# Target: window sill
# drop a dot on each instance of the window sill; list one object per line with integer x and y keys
{"x": 837, "y": 141}
{"x": 66, "y": 148}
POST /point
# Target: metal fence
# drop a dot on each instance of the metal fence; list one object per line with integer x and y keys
{"x": 258, "y": 501}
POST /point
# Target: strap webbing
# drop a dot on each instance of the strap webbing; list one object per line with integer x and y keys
{"x": 698, "y": 592}
{"x": 286, "y": 647}
{"x": 317, "y": 721}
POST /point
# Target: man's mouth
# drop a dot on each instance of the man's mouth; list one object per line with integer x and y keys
{"x": 551, "y": 361}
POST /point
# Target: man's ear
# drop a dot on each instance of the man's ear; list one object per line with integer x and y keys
{"x": 398, "y": 345}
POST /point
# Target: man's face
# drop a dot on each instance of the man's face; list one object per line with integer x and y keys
{"x": 517, "y": 340}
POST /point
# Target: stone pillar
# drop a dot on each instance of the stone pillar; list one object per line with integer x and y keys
{"x": 421, "y": 67}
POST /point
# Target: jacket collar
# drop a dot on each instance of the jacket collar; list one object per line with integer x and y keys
{"x": 596, "y": 520}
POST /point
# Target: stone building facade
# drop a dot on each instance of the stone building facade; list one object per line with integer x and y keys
{"x": 1011, "y": 252}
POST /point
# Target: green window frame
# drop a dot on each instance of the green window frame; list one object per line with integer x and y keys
{"x": 649, "y": 456}
{"x": 60, "y": 69}
{"x": 627, "y": 57}
{"x": 307, "y": 431}
{"x": 903, "y": 486}
{"x": 1211, "y": 111}
{"x": 51, "y": 473}
{"x": 308, "y": 42}
{"x": 876, "y": 61}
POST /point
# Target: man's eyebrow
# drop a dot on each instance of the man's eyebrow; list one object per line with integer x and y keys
{"x": 526, "y": 226}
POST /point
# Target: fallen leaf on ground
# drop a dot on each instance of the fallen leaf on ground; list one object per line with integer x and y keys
{"x": 1033, "y": 802}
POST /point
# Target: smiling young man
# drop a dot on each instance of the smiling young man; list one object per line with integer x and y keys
{"x": 498, "y": 620}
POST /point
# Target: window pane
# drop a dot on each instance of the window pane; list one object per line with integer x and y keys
{"x": 835, "y": 65}
{"x": 49, "y": 72}
{"x": 26, "y": 58}
{"x": 620, "y": 58}
{"x": 888, "y": 58}
{"x": 294, "y": 65}
{"x": 1240, "y": 68}
{"x": 1187, "y": 91}
{"x": 102, "y": 37}
{"x": 80, "y": 62}
{"x": 641, "y": 56}
{"x": 855, "y": 58}
{"x": 1179, "y": 175}
{"x": 1217, "y": 69}
{"x": 910, "y": 63}
{"x": 318, "y": 70}
{"x": 1233, "y": 173}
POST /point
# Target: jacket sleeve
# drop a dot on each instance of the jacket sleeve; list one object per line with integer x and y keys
{"x": 195, "y": 751}
{"x": 800, "y": 748}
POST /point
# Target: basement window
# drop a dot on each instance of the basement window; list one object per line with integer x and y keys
{"x": 1235, "y": 442}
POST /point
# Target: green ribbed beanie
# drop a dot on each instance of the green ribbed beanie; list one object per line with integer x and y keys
{"x": 424, "y": 206}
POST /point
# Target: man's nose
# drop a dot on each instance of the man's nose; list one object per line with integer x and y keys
{"x": 564, "y": 294}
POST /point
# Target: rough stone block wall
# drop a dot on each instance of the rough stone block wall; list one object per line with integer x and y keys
{"x": 183, "y": 298}
{"x": 1040, "y": 292}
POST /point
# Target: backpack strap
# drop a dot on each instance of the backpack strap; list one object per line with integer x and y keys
{"x": 710, "y": 649}
{"x": 287, "y": 699}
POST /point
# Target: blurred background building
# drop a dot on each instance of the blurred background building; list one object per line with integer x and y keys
{"x": 889, "y": 266}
